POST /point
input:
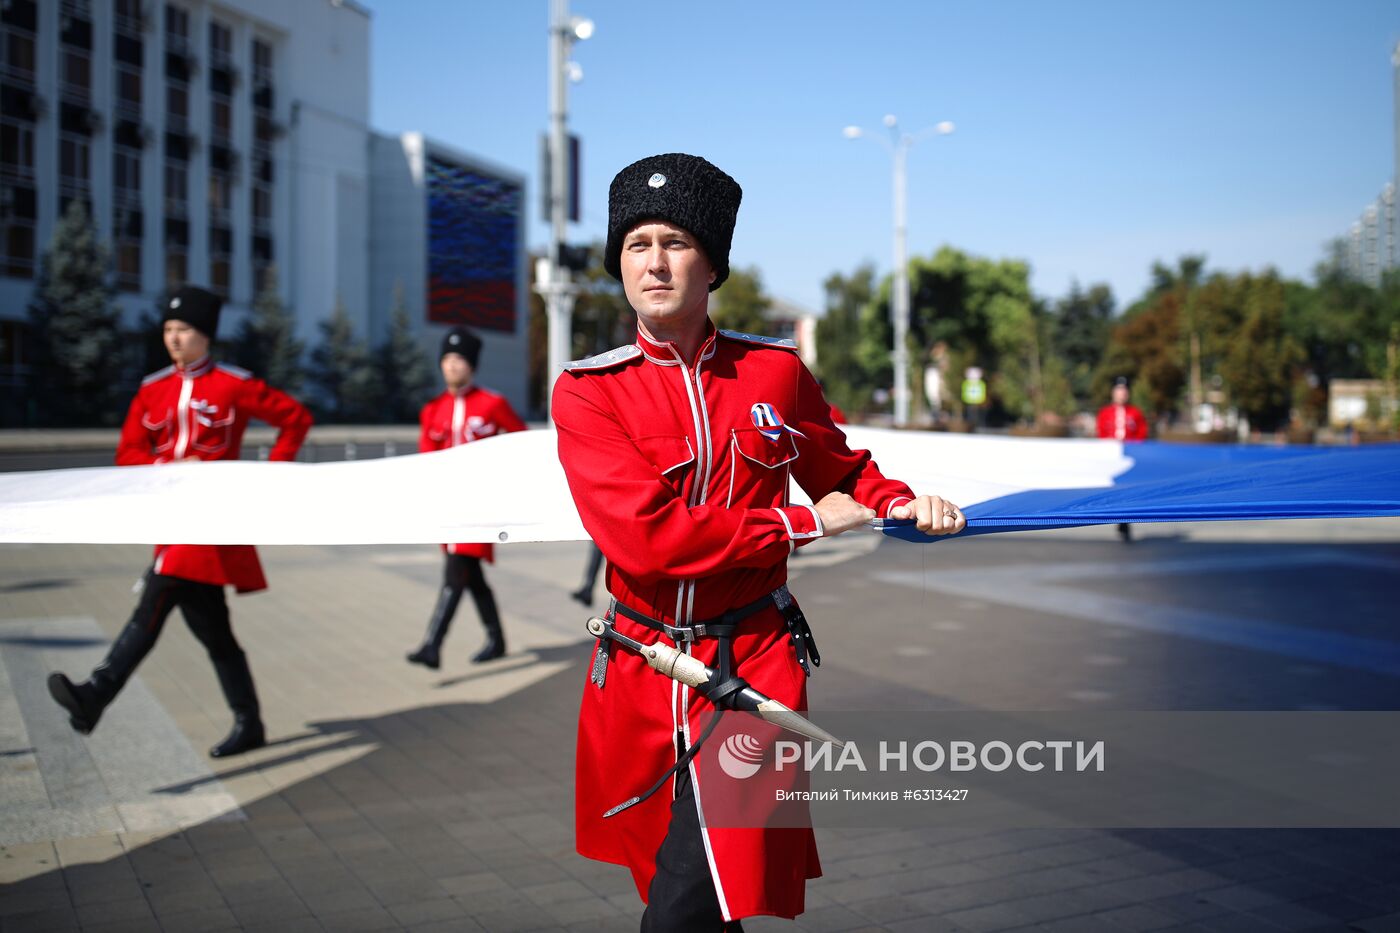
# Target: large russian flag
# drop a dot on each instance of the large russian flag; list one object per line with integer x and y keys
{"x": 511, "y": 488}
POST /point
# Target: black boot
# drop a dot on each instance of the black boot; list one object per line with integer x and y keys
{"x": 495, "y": 646}
{"x": 582, "y": 595}
{"x": 85, "y": 701}
{"x": 237, "y": 682}
{"x": 246, "y": 735}
{"x": 1125, "y": 533}
{"x": 80, "y": 700}
{"x": 429, "y": 654}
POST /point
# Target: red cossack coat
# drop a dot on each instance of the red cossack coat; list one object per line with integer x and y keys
{"x": 201, "y": 411}
{"x": 688, "y": 500}
{"x": 455, "y": 418}
{"x": 1122, "y": 422}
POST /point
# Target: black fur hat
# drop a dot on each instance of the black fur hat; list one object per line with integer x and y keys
{"x": 463, "y": 342}
{"x": 196, "y": 307}
{"x": 682, "y": 189}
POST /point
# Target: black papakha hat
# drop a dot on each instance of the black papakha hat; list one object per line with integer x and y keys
{"x": 1121, "y": 381}
{"x": 682, "y": 189}
{"x": 196, "y": 307}
{"x": 464, "y": 343}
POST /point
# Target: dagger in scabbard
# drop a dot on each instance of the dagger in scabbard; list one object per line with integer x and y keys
{"x": 694, "y": 673}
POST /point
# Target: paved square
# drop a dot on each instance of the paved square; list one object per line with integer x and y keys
{"x": 395, "y": 798}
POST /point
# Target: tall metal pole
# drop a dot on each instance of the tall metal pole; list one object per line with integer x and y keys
{"x": 899, "y": 145}
{"x": 899, "y": 306}
{"x": 558, "y": 289}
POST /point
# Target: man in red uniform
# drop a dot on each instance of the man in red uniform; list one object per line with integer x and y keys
{"x": 1120, "y": 420}
{"x": 194, "y": 409}
{"x": 463, "y": 413}
{"x": 678, "y": 450}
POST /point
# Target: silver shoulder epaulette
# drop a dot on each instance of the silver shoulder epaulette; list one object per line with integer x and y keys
{"x": 603, "y": 360}
{"x": 232, "y": 370}
{"x": 158, "y": 375}
{"x": 783, "y": 342}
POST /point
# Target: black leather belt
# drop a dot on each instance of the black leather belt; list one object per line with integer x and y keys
{"x": 718, "y": 627}
{"x": 722, "y": 628}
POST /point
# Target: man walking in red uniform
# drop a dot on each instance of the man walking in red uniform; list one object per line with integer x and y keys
{"x": 1123, "y": 421}
{"x": 194, "y": 409}
{"x": 463, "y": 413}
{"x": 678, "y": 450}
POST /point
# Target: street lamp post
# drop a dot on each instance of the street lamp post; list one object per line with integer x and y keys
{"x": 899, "y": 145}
{"x": 556, "y": 283}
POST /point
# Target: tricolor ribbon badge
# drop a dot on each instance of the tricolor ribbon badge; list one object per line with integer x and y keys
{"x": 769, "y": 422}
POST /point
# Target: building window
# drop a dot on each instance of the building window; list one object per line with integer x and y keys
{"x": 76, "y": 80}
{"x": 176, "y": 268}
{"x": 264, "y": 137}
{"x": 126, "y": 174}
{"x": 220, "y": 196}
{"x": 177, "y": 107}
{"x": 18, "y": 51}
{"x": 220, "y": 44}
{"x": 177, "y": 189}
{"x": 129, "y": 91}
{"x": 220, "y": 265}
{"x": 262, "y": 206}
{"x": 14, "y": 354}
{"x": 129, "y": 17}
{"x": 16, "y": 150}
{"x": 177, "y": 28}
{"x": 220, "y": 119}
{"x": 17, "y": 241}
{"x": 128, "y": 252}
{"x": 220, "y": 271}
{"x": 74, "y": 161}
{"x": 262, "y": 61}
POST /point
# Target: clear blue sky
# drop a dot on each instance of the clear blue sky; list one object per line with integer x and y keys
{"x": 1092, "y": 137}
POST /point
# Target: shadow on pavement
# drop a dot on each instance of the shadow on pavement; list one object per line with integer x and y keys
{"x": 459, "y": 815}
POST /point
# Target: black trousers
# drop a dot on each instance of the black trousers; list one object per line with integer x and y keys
{"x": 682, "y": 896}
{"x": 205, "y": 612}
{"x": 464, "y": 573}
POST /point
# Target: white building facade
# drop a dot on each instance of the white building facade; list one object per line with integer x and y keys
{"x": 1372, "y": 245}
{"x": 209, "y": 141}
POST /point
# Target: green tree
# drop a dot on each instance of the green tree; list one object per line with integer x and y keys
{"x": 344, "y": 372}
{"x": 980, "y": 309}
{"x": 1151, "y": 343}
{"x": 267, "y": 343}
{"x": 78, "y": 342}
{"x": 407, "y": 377}
{"x": 1145, "y": 346}
{"x": 844, "y": 378}
{"x": 602, "y": 319}
{"x": 740, "y": 303}
{"x": 1259, "y": 363}
{"x": 1078, "y": 336}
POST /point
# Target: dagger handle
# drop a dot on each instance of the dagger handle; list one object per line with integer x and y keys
{"x": 677, "y": 665}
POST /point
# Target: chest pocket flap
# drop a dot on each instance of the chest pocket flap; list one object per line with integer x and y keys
{"x": 666, "y": 452}
{"x": 756, "y": 448}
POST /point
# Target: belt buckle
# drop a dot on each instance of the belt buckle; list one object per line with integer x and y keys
{"x": 679, "y": 633}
